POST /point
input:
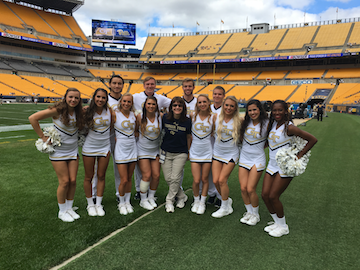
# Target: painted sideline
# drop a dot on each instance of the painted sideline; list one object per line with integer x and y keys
{"x": 22, "y": 127}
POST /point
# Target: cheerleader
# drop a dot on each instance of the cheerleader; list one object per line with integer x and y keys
{"x": 149, "y": 123}
{"x": 279, "y": 134}
{"x": 98, "y": 118}
{"x": 174, "y": 151}
{"x": 125, "y": 150}
{"x": 226, "y": 152}
{"x": 252, "y": 158}
{"x": 67, "y": 118}
{"x": 201, "y": 151}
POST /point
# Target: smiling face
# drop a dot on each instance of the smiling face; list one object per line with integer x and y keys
{"x": 72, "y": 99}
{"x": 177, "y": 108}
{"x": 116, "y": 85}
{"x": 188, "y": 88}
{"x": 218, "y": 96}
{"x": 150, "y": 106}
{"x": 278, "y": 112}
{"x": 202, "y": 103}
{"x": 253, "y": 111}
{"x": 229, "y": 107}
{"x": 100, "y": 99}
{"x": 149, "y": 87}
{"x": 126, "y": 103}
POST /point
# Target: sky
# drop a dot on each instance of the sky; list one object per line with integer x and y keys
{"x": 176, "y": 16}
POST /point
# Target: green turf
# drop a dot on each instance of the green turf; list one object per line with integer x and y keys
{"x": 320, "y": 206}
{"x": 17, "y": 114}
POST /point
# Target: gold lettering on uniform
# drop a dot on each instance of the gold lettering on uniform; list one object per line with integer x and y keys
{"x": 127, "y": 124}
{"x": 152, "y": 128}
{"x": 72, "y": 122}
{"x": 273, "y": 137}
{"x": 100, "y": 121}
{"x": 200, "y": 126}
{"x": 251, "y": 132}
{"x": 226, "y": 130}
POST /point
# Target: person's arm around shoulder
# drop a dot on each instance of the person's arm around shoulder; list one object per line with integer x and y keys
{"x": 36, "y": 117}
{"x": 294, "y": 130}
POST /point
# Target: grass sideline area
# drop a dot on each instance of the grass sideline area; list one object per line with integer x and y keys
{"x": 320, "y": 207}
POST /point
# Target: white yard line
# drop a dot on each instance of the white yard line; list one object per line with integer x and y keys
{"x": 22, "y": 127}
{"x": 12, "y": 137}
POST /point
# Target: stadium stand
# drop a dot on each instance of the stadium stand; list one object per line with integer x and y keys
{"x": 244, "y": 92}
{"x": 208, "y": 90}
{"x": 192, "y": 75}
{"x": 268, "y": 41}
{"x": 9, "y": 91}
{"x": 48, "y": 84}
{"x": 304, "y": 91}
{"x": 355, "y": 35}
{"x": 165, "y": 44}
{"x": 212, "y": 44}
{"x": 186, "y": 44}
{"x": 51, "y": 69}
{"x": 84, "y": 89}
{"x": 325, "y": 51}
{"x": 332, "y": 35}
{"x": 343, "y": 73}
{"x": 237, "y": 42}
{"x": 273, "y": 75}
{"x": 21, "y": 65}
{"x": 159, "y": 76}
{"x": 346, "y": 93}
{"x": 306, "y": 74}
{"x": 274, "y": 92}
{"x": 5, "y": 66}
{"x": 8, "y": 17}
{"x": 164, "y": 89}
{"x": 21, "y": 34}
{"x": 57, "y": 23}
{"x": 295, "y": 38}
{"x": 71, "y": 22}
{"x": 76, "y": 71}
{"x": 106, "y": 74}
{"x": 180, "y": 92}
{"x": 242, "y": 76}
{"x": 136, "y": 88}
{"x": 217, "y": 76}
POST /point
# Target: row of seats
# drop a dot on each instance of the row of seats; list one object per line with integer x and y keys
{"x": 43, "y": 22}
{"x": 235, "y": 76}
{"x": 229, "y": 46}
{"x": 346, "y": 93}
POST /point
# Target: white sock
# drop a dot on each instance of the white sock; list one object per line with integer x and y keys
{"x": 255, "y": 210}
{"x": 151, "y": 194}
{"x": 203, "y": 199}
{"x": 224, "y": 204}
{"x": 122, "y": 199}
{"x": 196, "y": 199}
{"x": 275, "y": 218}
{"x": 127, "y": 197}
{"x": 90, "y": 201}
{"x": 143, "y": 196}
{"x": 62, "y": 207}
{"x": 282, "y": 221}
{"x": 98, "y": 200}
{"x": 69, "y": 204}
{"x": 249, "y": 208}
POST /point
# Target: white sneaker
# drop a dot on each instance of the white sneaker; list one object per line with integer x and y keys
{"x": 73, "y": 213}
{"x": 122, "y": 209}
{"x": 270, "y": 227}
{"x": 253, "y": 220}
{"x": 221, "y": 212}
{"x": 100, "y": 210}
{"x": 65, "y": 216}
{"x": 181, "y": 203}
{"x": 195, "y": 206}
{"x": 152, "y": 202}
{"x": 129, "y": 208}
{"x": 245, "y": 218}
{"x": 279, "y": 231}
{"x": 169, "y": 208}
{"x": 201, "y": 209}
{"x": 146, "y": 205}
{"x": 91, "y": 210}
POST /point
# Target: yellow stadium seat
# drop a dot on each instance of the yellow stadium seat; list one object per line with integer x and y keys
{"x": 274, "y": 92}
{"x": 57, "y": 23}
{"x": 303, "y": 93}
{"x": 71, "y": 22}
{"x": 295, "y": 38}
{"x": 212, "y": 43}
{"x": 186, "y": 44}
{"x": 208, "y": 90}
{"x": 242, "y": 76}
{"x": 274, "y": 75}
{"x": 237, "y": 42}
{"x": 332, "y": 35}
{"x": 268, "y": 41}
{"x": 165, "y": 44}
{"x": 8, "y": 17}
{"x": 345, "y": 93}
{"x": 343, "y": 73}
{"x": 305, "y": 74}
{"x": 244, "y": 92}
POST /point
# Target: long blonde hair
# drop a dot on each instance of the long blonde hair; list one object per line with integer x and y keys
{"x": 236, "y": 123}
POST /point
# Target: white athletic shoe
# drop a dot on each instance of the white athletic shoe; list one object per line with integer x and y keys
{"x": 245, "y": 217}
{"x": 152, "y": 202}
{"x": 65, "y": 216}
{"x": 91, "y": 210}
{"x": 195, "y": 207}
{"x": 146, "y": 205}
{"x": 129, "y": 208}
{"x": 223, "y": 211}
{"x": 122, "y": 209}
{"x": 253, "y": 220}
{"x": 100, "y": 210}
{"x": 181, "y": 203}
{"x": 279, "y": 231}
{"x": 169, "y": 208}
{"x": 73, "y": 213}
{"x": 271, "y": 226}
{"x": 201, "y": 209}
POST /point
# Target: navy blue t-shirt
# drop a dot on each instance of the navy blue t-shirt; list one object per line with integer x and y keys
{"x": 175, "y": 138}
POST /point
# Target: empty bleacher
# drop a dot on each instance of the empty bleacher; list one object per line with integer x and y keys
{"x": 165, "y": 44}
{"x": 188, "y": 43}
{"x": 304, "y": 92}
{"x": 306, "y": 74}
{"x": 76, "y": 71}
{"x": 51, "y": 69}
{"x": 57, "y": 23}
{"x": 159, "y": 76}
{"x": 71, "y": 22}
{"x": 332, "y": 35}
{"x": 273, "y": 75}
{"x": 217, "y": 76}
{"x": 164, "y": 89}
{"x": 343, "y": 73}
{"x": 346, "y": 93}
{"x": 268, "y": 41}
{"x": 48, "y": 84}
{"x": 274, "y": 92}
{"x": 296, "y": 37}
{"x": 237, "y": 42}
{"x": 180, "y": 92}
{"x": 208, "y": 90}
{"x": 212, "y": 44}
{"x": 242, "y": 76}
{"x": 85, "y": 90}
{"x": 21, "y": 65}
{"x": 8, "y": 17}
{"x": 244, "y": 92}
{"x": 191, "y": 75}
{"x": 355, "y": 34}
{"x": 106, "y": 74}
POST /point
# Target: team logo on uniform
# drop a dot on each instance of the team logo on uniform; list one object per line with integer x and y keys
{"x": 200, "y": 126}
{"x": 251, "y": 132}
{"x": 273, "y": 137}
{"x": 126, "y": 124}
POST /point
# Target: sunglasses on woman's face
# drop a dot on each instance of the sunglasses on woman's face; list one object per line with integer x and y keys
{"x": 176, "y": 105}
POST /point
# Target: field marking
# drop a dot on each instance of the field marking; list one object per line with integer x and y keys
{"x": 26, "y": 140}
{"x": 4, "y": 142}
{"x": 9, "y": 118}
{"x": 108, "y": 237}
{"x": 22, "y": 127}
{"x": 11, "y": 137}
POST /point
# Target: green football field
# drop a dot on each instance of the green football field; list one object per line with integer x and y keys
{"x": 321, "y": 208}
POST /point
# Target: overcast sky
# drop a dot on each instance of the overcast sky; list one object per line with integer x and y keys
{"x": 173, "y": 16}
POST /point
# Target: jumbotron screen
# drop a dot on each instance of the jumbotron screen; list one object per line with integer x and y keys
{"x": 113, "y": 32}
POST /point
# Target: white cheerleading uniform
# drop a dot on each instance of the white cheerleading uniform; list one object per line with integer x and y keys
{"x": 112, "y": 103}
{"x": 68, "y": 150}
{"x": 125, "y": 148}
{"x": 201, "y": 146}
{"x": 190, "y": 106}
{"x": 97, "y": 143}
{"x": 277, "y": 139}
{"x": 225, "y": 148}
{"x": 139, "y": 100}
{"x": 252, "y": 151}
{"x": 148, "y": 144}
{"x": 215, "y": 110}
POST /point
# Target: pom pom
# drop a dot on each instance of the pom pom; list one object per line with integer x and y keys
{"x": 53, "y": 140}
